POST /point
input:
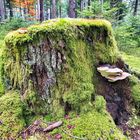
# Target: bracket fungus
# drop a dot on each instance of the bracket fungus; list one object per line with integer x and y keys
{"x": 113, "y": 74}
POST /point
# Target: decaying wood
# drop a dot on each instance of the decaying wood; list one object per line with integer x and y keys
{"x": 53, "y": 126}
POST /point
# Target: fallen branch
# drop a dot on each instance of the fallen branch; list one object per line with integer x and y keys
{"x": 53, "y": 126}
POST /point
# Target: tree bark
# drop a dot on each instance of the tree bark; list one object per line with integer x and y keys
{"x": 5, "y": 15}
{"x": 135, "y": 8}
{"x": 89, "y": 1}
{"x": 72, "y": 9}
{"x": 53, "y": 9}
{"x": 10, "y": 8}
{"x": 102, "y": 2}
{"x": 2, "y": 12}
{"x": 41, "y": 17}
{"x": 60, "y": 9}
{"x": 38, "y": 10}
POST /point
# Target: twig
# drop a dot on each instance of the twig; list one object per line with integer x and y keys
{"x": 75, "y": 137}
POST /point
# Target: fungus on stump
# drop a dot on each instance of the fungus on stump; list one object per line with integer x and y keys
{"x": 54, "y": 65}
{"x": 112, "y": 74}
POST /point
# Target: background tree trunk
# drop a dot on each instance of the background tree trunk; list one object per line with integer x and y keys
{"x": 2, "y": 12}
{"x": 60, "y": 9}
{"x": 72, "y": 8}
{"x": 10, "y": 8}
{"x": 53, "y": 9}
{"x": 135, "y": 8}
{"x": 102, "y": 2}
{"x": 41, "y": 17}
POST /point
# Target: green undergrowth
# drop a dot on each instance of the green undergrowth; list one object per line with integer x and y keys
{"x": 131, "y": 58}
{"x": 94, "y": 125}
{"x": 133, "y": 61}
{"x": 135, "y": 51}
{"x": 11, "y": 115}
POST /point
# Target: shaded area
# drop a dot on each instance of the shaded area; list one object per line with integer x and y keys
{"x": 117, "y": 96}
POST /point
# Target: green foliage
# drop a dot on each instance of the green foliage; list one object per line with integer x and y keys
{"x": 127, "y": 33}
{"x": 13, "y": 24}
{"x": 134, "y": 51}
{"x": 91, "y": 11}
{"x": 133, "y": 61}
{"x": 98, "y": 10}
{"x": 11, "y": 115}
{"x": 16, "y": 23}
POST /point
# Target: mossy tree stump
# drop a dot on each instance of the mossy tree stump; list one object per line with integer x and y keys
{"x": 54, "y": 65}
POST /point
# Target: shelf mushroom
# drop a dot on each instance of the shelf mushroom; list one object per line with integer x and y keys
{"x": 112, "y": 74}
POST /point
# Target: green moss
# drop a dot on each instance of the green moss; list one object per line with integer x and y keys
{"x": 15, "y": 69}
{"x": 100, "y": 104}
{"x": 2, "y": 86}
{"x": 11, "y": 118}
{"x": 65, "y": 29}
{"x": 75, "y": 86}
{"x": 92, "y": 125}
{"x": 135, "y": 86}
{"x": 33, "y": 107}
